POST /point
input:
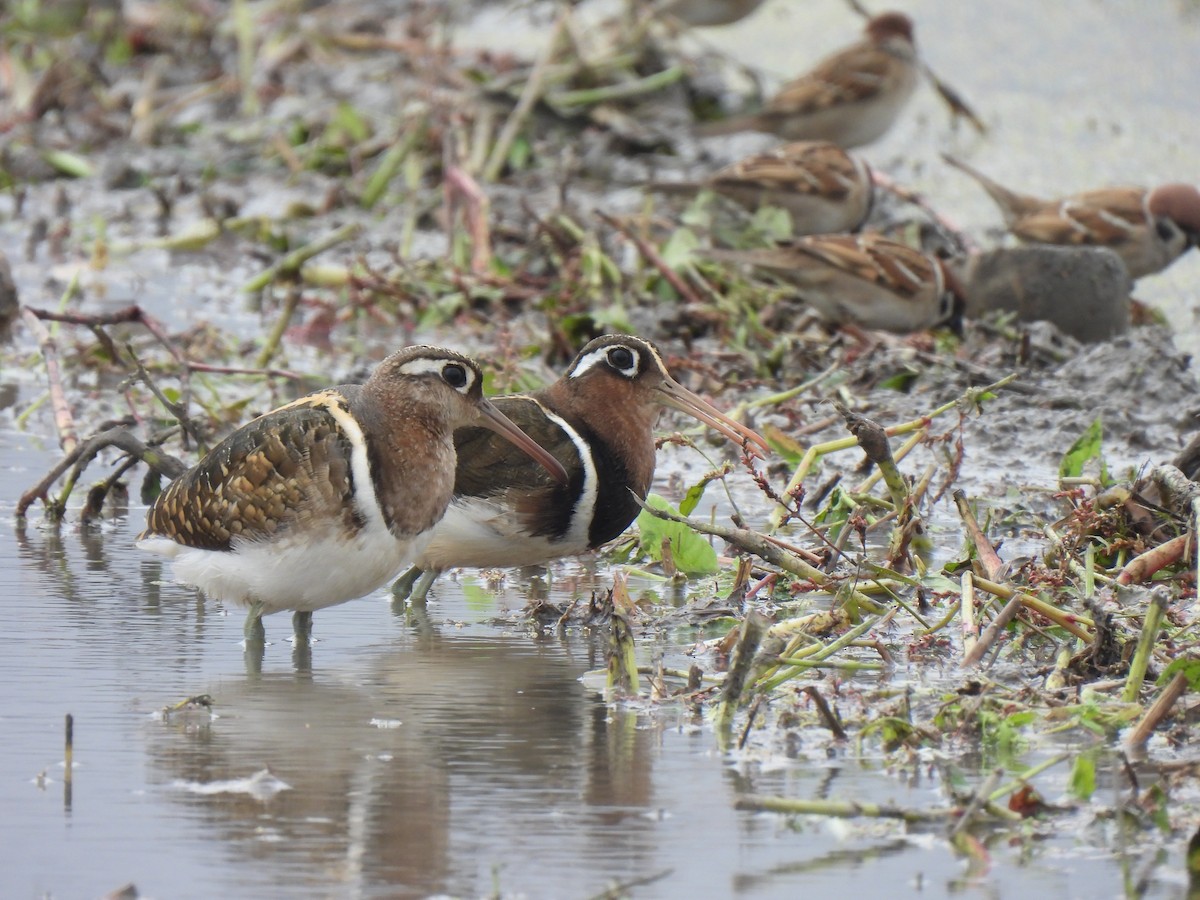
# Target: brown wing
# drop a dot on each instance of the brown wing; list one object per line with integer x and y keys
{"x": 1102, "y": 217}
{"x": 285, "y": 468}
{"x": 832, "y": 178}
{"x": 492, "y": 468}
{"x": 855, "y": 74}
{"x": 890, "y": 264}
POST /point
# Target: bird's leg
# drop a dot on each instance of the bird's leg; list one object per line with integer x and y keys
{"x": 302, "y": 626}
{"x": 420, "y": 590}
{"x": 403, "y": 586}
{"x": 253, "y": 630}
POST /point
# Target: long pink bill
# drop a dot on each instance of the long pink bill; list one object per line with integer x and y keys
{"x": 676, "y": 396}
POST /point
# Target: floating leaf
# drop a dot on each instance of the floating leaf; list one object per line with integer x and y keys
{"x": 691, "y": 552}
{"x": 1086, "y": 448}
{"x": 1083, "y": 776}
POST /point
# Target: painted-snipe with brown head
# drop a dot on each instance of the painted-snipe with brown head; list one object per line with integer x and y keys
{"x": 324, "y": 499}
{"x": 598, "y": 421}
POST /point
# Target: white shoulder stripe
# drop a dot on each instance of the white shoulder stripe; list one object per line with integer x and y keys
{"x": 365, "y": 498}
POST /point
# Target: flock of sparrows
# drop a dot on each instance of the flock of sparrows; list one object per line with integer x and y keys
{"x": 852, "y": 98}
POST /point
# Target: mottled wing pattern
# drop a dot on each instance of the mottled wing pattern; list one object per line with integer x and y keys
{"x": 776, "y": 172}
{"x": 491, "y": 467}
{"x": 897, "y": 267}
{"x": 287, "y": 467}
{"x": 1104, "y": 217}
{"x": 856, "y": 74}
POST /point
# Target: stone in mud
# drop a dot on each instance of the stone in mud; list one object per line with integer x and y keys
{"x": 1084, "y": 291}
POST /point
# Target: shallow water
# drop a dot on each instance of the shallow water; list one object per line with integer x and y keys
{"x": 439, "y": 753}
{"x": 414, "y": 754}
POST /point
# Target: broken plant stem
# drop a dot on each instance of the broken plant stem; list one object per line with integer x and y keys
{"x": 289, "y": 266}
{"x": 1141, "y": 567}
{"x": 970, "y": 626}
{"x": 1141, "y": 658}
{"x": 653, "y": 257}
{"x": 530, "y": 94}
{"x": 118, "y": 437}
{"x": 621, "y": 91}
{"x": 992, "y": 632}
{"x": 753, "y": 542}
{"x": 1028, "y": 775}
{"x": 64, "y": 421}
{"x": 984, "y": 551}
{"x": 750, "y": 635}
{"x": 978, "y": 801}
{"x": 872, "y": 438}
{"x": 290, "y": 303}
{"x": 1076, "y": 624}
{"x": 970, "y": 397}
{"x": 1140, "y": 733}
{"x": 848, "y": 809}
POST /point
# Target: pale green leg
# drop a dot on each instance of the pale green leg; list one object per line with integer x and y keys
{"x": 253, "y": 630}
{"x": 402, "y": 587}
{"x": 420, "y": 590}
{"x": 302, "y": 626}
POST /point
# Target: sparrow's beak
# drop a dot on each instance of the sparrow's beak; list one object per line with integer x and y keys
{"x": 495, "y": 420}
{"x": 676, "y": 396}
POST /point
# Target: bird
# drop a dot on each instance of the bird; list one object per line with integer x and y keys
{"x": 1148, "y": 228}
{"x": 851, "y": 98}
{"x": 706, "y": 13}
{"x": 823, "y": 188}
{"x": 598, "y": 420}
{"x": 868, "y": 280}
{"x": 324, "y": 499}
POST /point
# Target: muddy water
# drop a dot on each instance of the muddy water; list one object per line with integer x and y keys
{"x": 416, "y": 755}
{"x": 412, "y": 754}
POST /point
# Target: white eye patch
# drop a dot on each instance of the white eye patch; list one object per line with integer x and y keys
{"x": 605, "y": 356}
{"x": 439, "y": 368}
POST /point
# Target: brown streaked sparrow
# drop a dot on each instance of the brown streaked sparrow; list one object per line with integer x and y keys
{"x": 1148, "y": 228}
{"x": 866, "y": 280}
{"x": 823, "y": 188}
{"x": 851, "y": 98}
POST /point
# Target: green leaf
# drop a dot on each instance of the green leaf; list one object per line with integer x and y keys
{"x": 677, "y": 251}
{"x": 692, "y": 553}
{"x": 1083, "y": 776}
{"x": 1190, "y": 669}
{"x": 900, "y": 382}
{"x": 1086, "y": 448}
{"x": 68, "y": 163}
{"x": 774, "y": 223}
{"x": 692, "y": 498}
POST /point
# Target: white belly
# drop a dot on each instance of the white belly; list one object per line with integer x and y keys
{"x": 307, "y": 573}
{"x": 481, "y": 534}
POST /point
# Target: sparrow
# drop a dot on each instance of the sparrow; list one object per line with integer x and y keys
{"x": 823, "y": 188}
{"x": 867, "y": 280}
{"x": 1148, "y": 228}
{"x": 851, "y": 98}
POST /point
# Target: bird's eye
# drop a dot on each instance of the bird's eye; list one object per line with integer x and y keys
{"x": 621, "y": 359}
{"x": 1166, "y": 229}
{"x": 454, "y": 375}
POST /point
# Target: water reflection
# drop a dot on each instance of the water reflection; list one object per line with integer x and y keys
{"x": 395, "y": 769}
